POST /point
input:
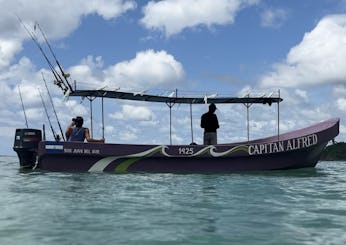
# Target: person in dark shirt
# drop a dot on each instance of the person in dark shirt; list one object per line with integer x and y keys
{"x": 210, "y": 124}
{"x": 76, "y": 132}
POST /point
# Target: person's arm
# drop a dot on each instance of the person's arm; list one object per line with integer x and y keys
{"x": 202, "y": 122}
{"x": 89, "y": 139}
{"x": 217, "y": 122}
{"x": 69, "y": 130}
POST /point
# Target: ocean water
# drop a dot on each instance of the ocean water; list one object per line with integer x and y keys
{"x": 305, "y": 206}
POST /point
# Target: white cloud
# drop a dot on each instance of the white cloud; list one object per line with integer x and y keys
{"x": 149, "y": 69}
{"x": 109, "y": 9}
{"x": 89, "y": 72}
{"x": 288, "y": 125}
{"x": 128, "y": 135}
{"x": 302, "y": 95}
{"x": 273, "y": 17}
{"x": 76, "y": 109}
{"x": 173, "y": 16}
{"x": 6, "y": 132}
{"x": 46, "y": 13}
{"x": 5, "y": 92}
{"x": 342, "y": 129}
{"x": 318, "y": 59}
{"x": 23, "y": 72}
{"x": 314, "y": 115}
{"x": 131, "y": 112}
{"x": 30, "y": 94}
{"x": 7, "y": 50}
{"x": 176, "y": 139}
{"x": 340, "y": 90}
{"x": 341, "y": 104}
{"x": 35, "y": 114}
{"x": 294, "y": 97}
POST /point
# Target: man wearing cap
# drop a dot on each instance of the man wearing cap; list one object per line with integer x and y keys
{"x": 210, "y": 124}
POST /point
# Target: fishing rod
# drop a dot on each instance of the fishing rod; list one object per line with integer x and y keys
{"x": 20, "y": 95}
{"x": 56, "y": 136}
{"x": 59, "y": 81}
{"x": 51, "y": 101}
{"x": 65, "y": 75}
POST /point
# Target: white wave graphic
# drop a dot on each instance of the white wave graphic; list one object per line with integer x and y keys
{"x": 101, "y": 164}
{"x": 221, "y": 154}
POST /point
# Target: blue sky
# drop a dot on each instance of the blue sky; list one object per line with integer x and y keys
{"x": 228, "y": 47}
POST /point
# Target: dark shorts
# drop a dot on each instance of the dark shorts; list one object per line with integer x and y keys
{"x": 210, "y": 138}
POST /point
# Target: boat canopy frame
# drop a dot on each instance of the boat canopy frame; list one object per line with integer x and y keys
{"x": 177, "y": 100}
{"x": 170, "y": 101}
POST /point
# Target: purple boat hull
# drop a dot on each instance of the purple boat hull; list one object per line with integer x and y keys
{"x": 297, "y": 149}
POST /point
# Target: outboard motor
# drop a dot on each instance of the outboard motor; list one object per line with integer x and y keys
{"x": 26, "y": 145}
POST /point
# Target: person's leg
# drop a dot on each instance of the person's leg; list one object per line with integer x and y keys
{"x": 209, "y": 139}
{"x": 205, "y": 139}
{"x": 213, "y": 138}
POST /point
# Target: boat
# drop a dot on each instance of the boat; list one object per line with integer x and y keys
{"x": 292, "y": 150}
{"x": 297, "y": 149}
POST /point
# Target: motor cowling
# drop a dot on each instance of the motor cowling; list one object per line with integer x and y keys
{"x": 26, "y": 146}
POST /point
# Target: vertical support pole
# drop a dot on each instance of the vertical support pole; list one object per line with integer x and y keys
{"x": 170, "y": 104}
{"x": 248, "y": 118}
{"x": 248, "y": 121}
{"x": 91, "y": 117}
{"x": 170, "y": 125}
{"x": 103, "y": 119}
{"x": 279, "y": 115}
{"x": 191, "y": 123}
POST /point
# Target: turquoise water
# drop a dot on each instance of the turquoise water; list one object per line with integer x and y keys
{"x": 281, "y": 207}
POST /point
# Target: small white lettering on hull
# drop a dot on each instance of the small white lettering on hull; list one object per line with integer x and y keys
{"x": 81, "y": 151}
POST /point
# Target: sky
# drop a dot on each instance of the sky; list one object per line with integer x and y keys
{"x": 196, "y": 47}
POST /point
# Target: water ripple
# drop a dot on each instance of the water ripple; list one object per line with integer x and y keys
{"x": 280, "y": 207}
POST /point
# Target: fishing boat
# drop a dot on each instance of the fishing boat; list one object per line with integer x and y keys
{"x": 292, "y": 150}
{"x": 297, "y": 149}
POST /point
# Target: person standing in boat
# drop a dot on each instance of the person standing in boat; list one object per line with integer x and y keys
{"x": 76, "y": 132}
{"x": 210, "y": 124}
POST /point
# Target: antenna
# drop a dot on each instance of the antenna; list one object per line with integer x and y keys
{"x": 20, "y": 95}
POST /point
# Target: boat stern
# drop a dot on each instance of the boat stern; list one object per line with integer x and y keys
{"x": 26, "y": 146}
